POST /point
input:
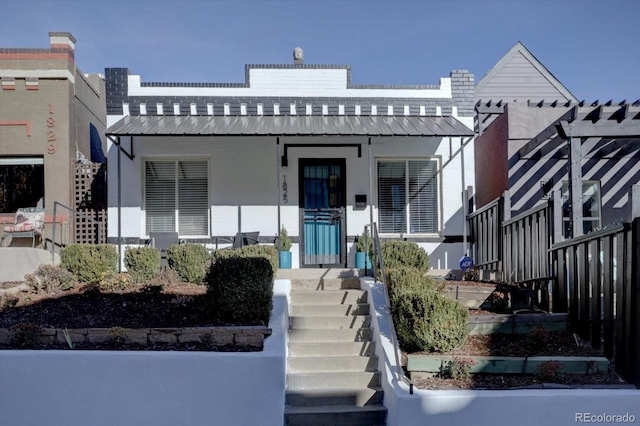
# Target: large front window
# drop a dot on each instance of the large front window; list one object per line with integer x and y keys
{"x": 21, "y": 183}
{"x": 177, "y": 197}
{"x": 408, "y": 196}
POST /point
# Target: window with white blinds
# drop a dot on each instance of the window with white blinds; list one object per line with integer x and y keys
{"x": 408, "y": 196}
{"x": 176, "y": 197}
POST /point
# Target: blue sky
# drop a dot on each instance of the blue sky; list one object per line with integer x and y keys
{"x": 592, "y": 47}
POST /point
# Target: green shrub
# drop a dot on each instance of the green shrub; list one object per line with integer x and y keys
{"x": 266, "y": 251}
{"x": 89, "y": 261}
{"x": 50, "y": 279}
{"x": 112, "y": 281}
{"x": 365, "y": 241}
{"x": 143, "y": 263}
{"x": 190, "y": 261}
{"x": 424, "y": 317}
{"x": 284, "y": 238}
{"x": 404, "y": 277}
{"x": 404, "y": 253}
{"x": 240, "y": 290}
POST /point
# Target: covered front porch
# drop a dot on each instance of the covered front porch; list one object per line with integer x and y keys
{"x": 321, "y": 177}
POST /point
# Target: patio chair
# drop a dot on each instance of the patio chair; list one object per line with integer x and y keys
{"x": 28, "y": 223}
{"x": 244, "y": 239}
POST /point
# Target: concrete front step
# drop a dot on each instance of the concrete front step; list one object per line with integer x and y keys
{"x": 325, "y": 283}
{"x": 329, "y": 310}
{"x": 331, "y": 335}
{"x": 331, "y": 349}
{"x": 358, "y": 397}
{"x": 341, "y": 322}
{"x": 347, "y": 415}
{"x": 319, "y": 364}
{"x": 328, "y": 297}
{"x": 333, "y": 380}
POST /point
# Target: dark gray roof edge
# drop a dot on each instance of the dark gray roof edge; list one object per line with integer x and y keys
{"x": 133, "y": 126}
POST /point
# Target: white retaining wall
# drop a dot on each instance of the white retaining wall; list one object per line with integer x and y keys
{"x": 479, "y": 408}
{"x": 149, "y": 388}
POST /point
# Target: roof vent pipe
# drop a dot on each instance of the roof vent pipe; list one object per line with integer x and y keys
{"x": 298, "y": 56}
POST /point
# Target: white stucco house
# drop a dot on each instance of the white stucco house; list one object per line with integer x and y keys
{"x": 294, "y": 145}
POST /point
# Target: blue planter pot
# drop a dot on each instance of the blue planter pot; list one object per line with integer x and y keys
{"x": 285, "y": 259}
{"x": 361, "y": 262}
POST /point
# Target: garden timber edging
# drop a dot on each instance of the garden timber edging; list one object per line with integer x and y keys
{"x": 516, "y": 323}
{"x": 249, "y": 336}
{"x": 422, "y": 366}
{"x": 475, "y": 297}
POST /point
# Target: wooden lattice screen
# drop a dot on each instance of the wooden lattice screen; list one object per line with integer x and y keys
{"x": 90, "y": 200}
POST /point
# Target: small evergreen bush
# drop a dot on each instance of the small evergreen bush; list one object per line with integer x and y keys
{"x": 402, "y": 278}
{"x": 404, "y": 253}
{"x": 284, "y": 239}
{"x": 266, "y": 251}
{"x": 424, "y": 317}
{"x": 143, "y": 263}
{"x": 365, "y": 241}
{"x": 190, "y": 261}
{"x": 88, "y": 262}
{"x": 240, "y": 290}
{"x": 50, "y": 279}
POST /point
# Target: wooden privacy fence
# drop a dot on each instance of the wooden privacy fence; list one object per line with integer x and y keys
{"x": 598, "y": 283}
{"x": 485, "y": 228}
{"x": 517, "y": 247}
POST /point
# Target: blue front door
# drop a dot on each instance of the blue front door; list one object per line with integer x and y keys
{"x": 322, "y": 186}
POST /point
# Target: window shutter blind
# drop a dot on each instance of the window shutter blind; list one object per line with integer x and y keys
{"x": 392, "y": 213}
{"x": 193, "y": 200}
{"x": 423, "y": 197}
{"x": 160, "y": 196}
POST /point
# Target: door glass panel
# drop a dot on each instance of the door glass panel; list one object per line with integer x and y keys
{"x": 322, "y": 202}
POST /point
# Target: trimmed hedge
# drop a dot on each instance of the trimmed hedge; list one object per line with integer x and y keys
{"x": 428, "y": 320}
{"x": 143, "y": 263}
{"x": 190, "y": 261}
{"x": 240, "y": 290}
{"x": 266, "y": 251}
{"x": 404, "y": 253}
{"x": 399, "y": 279}
{"x": 424, "y": 317}
{"x": 88, "y": 262}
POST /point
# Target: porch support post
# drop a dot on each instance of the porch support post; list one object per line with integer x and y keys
{"x": 464, "y": 199}
{"x": 575, "y": 184}
{"x": 120, "y": 206}
{"x": 370, "y": 181}
{"x": 278, "y": 184}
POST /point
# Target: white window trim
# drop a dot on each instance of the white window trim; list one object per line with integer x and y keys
{"x": 598, "y": 219}
{"x": 143, "y": 214}
{"x": 440, "y": 208}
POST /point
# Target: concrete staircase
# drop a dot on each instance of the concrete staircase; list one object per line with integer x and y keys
{"x": 332, "y": 376}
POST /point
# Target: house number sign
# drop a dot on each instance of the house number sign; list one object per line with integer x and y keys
{"x": 51, "y": 133}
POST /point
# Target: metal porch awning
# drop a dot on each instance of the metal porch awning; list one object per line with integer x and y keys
{"x": 291, "y": 125}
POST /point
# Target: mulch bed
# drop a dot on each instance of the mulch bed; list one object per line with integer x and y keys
{"x": 178, "y": 305}
{"x": 497, "y": 382}
{"x": 517, "y": 345}
{"x": 140, "y": 306}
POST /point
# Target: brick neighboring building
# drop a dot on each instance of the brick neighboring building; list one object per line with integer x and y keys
{"x": 48, "y": 110}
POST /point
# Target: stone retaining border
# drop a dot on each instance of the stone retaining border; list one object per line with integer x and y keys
{"x": 249, "y": 336}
